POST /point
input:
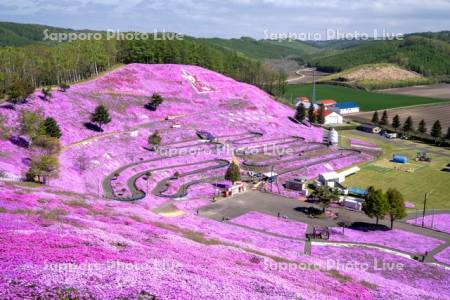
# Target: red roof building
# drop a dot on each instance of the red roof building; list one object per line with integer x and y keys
{"x": 327, "y": 102}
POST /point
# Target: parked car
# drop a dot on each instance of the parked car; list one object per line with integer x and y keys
{"x": 392, "y": 135}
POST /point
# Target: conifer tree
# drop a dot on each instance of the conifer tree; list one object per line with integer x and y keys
{"x": 100, "y": 116}
{"x": 375, "y": 118}
{"x": 51, "y": 128}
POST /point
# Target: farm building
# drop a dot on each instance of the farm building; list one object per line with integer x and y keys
{"x": 332, "y": 117}
{"x": 327, "y": 103}
{"x": 303, "y": 100}
{"x": 332, "y": 178}
{"x": 228, "y": 189}
{"x": 357, "y": 191}
{"x": 306, "y": 103}
{"x": 297, "y": 184}
{"x": 346, "y": 108}
{"x": 369, "y": 128}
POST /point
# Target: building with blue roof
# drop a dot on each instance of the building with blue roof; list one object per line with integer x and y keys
{"x": 346, "y": 108}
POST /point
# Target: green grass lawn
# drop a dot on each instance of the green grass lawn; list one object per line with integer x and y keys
{"x": 367, "y": 100}
{"x": 412, "y": 185}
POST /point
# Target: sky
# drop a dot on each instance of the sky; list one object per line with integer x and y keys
{"x": 313, "y": 19}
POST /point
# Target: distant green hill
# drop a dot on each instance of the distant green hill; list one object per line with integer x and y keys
{"x": 427, "y": 56}
{"x": 427, "y": 53}
{"x": 265, "y": 49}
{"x": 16, "y": 34}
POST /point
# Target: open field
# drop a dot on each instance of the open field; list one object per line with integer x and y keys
{"x": 368, "y": 101}
{"x": 441, "y": 91}
{"x": 414, "y": 185}
{"x": 430, "y": 113}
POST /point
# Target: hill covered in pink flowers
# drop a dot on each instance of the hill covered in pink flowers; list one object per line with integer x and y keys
{"x": 71, "y": 239}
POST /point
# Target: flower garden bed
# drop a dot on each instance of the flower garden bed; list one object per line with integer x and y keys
{"x": 396, "y": 239}
{"x": 271, "y": 224}
{"x": 439, "y": 222}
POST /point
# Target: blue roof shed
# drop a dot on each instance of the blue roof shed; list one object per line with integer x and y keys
{"x": 345, "y": 105}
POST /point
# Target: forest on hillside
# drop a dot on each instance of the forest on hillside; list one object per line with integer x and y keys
{"x": 427, "y": 56}
{"x": 38, "y": 65}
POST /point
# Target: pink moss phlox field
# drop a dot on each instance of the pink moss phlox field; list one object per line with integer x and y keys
{"x": 272, "y": 224}
{"x": 65, "y": 241}
{"x": 110, "y": 255}
{"x": 55, "y": 242}
{"x": 439, "y": 222}
{"x": 404, "y": 278}
{"x": 443, "y": 256}
{"x": 395, "y": 238}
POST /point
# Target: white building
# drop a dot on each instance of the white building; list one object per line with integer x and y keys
{"x": 331, "y": 178}
{"x": 332, "y": 117}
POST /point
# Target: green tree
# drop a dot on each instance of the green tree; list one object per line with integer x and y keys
{"x": 51, "y": 128}
{"x": 156, "y": 100}
{"x": 42, "y": 168}
{"x": 5, "y": 131}
{"x": 233, "y": 173}
{"x": 300, "y": 114}
{"x": 31, "y": 123}
{"x": 396, "y": 205}
{"x": 447, "y": 136}
{"x": 311, "y": 114}
{"x": 384, "y": 119}
{"x": 321, "y": 115}
{"x": 325, "y": 195}
{"x": 375, "y": 204}
{"x": 50, "y": 144}
{"x": 409, "y": 125}
{"x": 47, "y": 92}
{"x": 154, "y": 139}
{"x": 396, "y": 122}
{"x": 436, "y": 130}
{"x": 375, "y": 118}
{"x": 19, "y": 91}
{"x": 64, "y": 86}
{"x": 422, "y": 127}
{"x": 100, "y": 116}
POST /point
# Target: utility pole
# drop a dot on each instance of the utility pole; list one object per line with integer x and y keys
{"x": 432, "y": 219}
{"x": 313, "y": 100}
{"x": 424, "y": 208}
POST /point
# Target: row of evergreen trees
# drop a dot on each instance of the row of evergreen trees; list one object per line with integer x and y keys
{"x": 313, "y": 116}
{"x": 408, "y": 126}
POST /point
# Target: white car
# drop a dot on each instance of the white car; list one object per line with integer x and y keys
{"x": 390, "y": 135}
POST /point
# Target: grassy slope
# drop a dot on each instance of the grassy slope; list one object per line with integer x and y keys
{"x": 367, "y": 100}
{"x": 412, "y": 185}
{"x": 373, "y": 84}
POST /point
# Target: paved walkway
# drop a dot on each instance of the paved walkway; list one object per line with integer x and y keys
{"x": 272, "y": 204}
